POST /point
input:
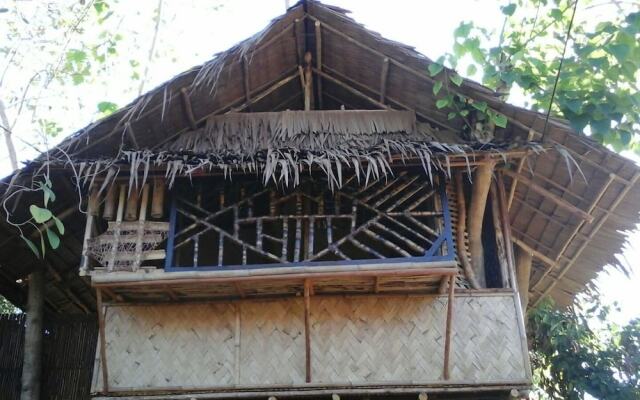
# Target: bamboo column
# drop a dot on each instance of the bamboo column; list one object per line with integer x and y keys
{"x": 524, "y": 260}
{"x": 32, "y": 359}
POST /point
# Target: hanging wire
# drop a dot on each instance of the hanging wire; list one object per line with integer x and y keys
{"x": 555, "y": 84}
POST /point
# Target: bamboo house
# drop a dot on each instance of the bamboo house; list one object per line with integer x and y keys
{"x": 296, "y": 217}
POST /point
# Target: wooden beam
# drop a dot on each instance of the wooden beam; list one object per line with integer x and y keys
{"x": 308, "y": 81}
{"x": 383, "y": 79}
{"x": 448, "y": 329}
{"x": 550, "y": 195}
{"x": 351, "y": 90}
{"x": 307, "y": 329}
{"x": 188, "y": 110}
{"x": 88, "y": 226}
{"x": 318, "y": 33}
{"x": 245, "y": 79}
{"x": 547, "y": 260}
{"x": 593, "y": 233}
{"x": 103, "y": 342}
{"x": 512, "y": 189}
{"x": 32, "y": 355}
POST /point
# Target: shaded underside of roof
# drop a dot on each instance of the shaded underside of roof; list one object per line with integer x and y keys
{"x": 355, "y": 69}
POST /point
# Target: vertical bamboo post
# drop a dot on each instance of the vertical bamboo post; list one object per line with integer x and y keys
{"x": 318, "y": 33}
{"x": 481, "y": 185}
{"x": 307, "y": 333}
{"x": 103, "y": 342}
{"x": 116, "y": 235}
{"x": 308, "y": 82}
{"x": 132, "y": 205}
{"x": 500, "y": 242}
{"x": 32, "y": 359}
{"x": 140, "y": 233}
{"x": 157, "y": 202}
{"x": 524, "y": 261}
{"x": 449, "y": 328}
{"x": 92, "y": 211}
{"x": 110, "y": 202}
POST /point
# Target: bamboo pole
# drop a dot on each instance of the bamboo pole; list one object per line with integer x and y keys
{"x": 500, "y": 240}
{"x": 460, "y": 231}
{"x": 480, "y": 192}
{"x": 308, "y": 82}
{"x": 318, "y": 33}
{"x": 103, "y": 342}
{"x": 524, "y": 261}
{"x": 32, "y": 356}
{"x": 550, "y": 195}
{"x": 307, "y": 328}
{"x": 449, "y": 328}
{"x": 110, "y": 202}
{"x": 157, "y": 202}
{"x": 92, "y": 211}
{"x": 131, "y": 212}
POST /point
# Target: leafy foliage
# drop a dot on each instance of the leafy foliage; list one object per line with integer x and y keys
{"x": 6, "y": 307}
{"x": 45, "y": 221}
{"x": 598, "y": 90}
{"x": 579, "y": 351}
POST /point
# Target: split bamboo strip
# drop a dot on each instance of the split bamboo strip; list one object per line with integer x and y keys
{"x": 103, "y": 342}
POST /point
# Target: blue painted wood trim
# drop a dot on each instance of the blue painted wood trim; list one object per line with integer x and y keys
{"x": 173, "y": 219}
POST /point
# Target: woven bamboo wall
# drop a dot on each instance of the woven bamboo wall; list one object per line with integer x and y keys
{"x": 354, "y": 340}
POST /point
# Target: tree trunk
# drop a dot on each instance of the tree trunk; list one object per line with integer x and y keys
{"x": 6, "y": 128}
{"x": 31, "y": 365}
{"x": 481, "y": 185}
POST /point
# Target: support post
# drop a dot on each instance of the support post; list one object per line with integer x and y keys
{"x": 32, "y": 361}
{"x": 460, "y": 231}
{"x": 92, "y": 211}
{"x": 318, "y": 33}
{"x": 103, "y": 342}
{"x": 524, "y": 261}
{"x": 448, "y": 329}
{"x": 481, "y": 186}
{"x": 308, "y": 82}
{"x": 307, "y": 334}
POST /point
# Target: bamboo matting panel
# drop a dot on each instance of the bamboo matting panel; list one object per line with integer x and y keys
{"x": 357, "y": 340}
{"x": 203, "y": 345}
{"x": 354, "y": 340}
{"x": 272, "y": 343}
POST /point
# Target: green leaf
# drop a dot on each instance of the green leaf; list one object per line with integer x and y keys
{"x": 619, "y": 51}
{"x": 500, "y": 120}
{"x": 442, "y": 103}
{"x": 59, "y": 225}
{"x": 451, "y": 115}
{"x": 54, "y": 239}
{"x": 464, "y": 113}
{"x": 479, "y": 105}
{"x": 463, "y": 30}
{"x": 556, "y": 14}
{"x": 456, "y": 79}
{"x": 40, "y": 215}
{"x": 76, "y": 56}
{"x": 509, "y": 9}
{"x": 472, "y": 69}
{"x": 435, "y": 69}
{"x": 436, "y": 87}
{"x": 31, "y": 246}
{"x": 107, "y": 107}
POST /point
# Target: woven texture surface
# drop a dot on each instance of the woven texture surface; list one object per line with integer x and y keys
{"x": 354, "y": 340}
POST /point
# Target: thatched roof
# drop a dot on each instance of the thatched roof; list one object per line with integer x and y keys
{"x": 359, "y": 70}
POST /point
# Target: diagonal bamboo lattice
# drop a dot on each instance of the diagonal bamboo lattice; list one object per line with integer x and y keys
{"x": 397, "y": 219}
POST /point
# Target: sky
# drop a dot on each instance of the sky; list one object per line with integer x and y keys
{"x": 191, "y": 31}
